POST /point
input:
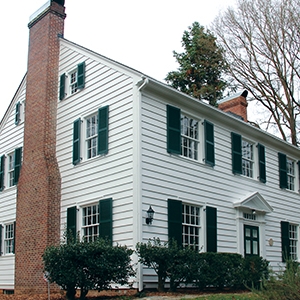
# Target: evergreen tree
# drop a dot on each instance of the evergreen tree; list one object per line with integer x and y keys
{"x": 200, "y": 66}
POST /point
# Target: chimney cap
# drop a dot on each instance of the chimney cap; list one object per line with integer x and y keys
{"x": 60, "y": 2}
{"x": 243, "y": 93}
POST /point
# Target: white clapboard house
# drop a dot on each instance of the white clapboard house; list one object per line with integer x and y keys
{"x": 126, "y": 143}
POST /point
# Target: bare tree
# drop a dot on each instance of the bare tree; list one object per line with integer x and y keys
{"x": 261, "y": 41}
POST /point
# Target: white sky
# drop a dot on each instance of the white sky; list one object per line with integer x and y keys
{"x": 139, "y": 34}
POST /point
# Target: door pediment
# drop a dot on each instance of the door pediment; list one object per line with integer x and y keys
{"x": 255, "y": 202}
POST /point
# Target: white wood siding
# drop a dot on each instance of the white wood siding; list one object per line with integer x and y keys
{"x": 111, "y": 175}
{"x": 167, "y": 176}
{"x": 11, "y": 137}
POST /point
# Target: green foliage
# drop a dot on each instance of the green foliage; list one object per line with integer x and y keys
{"x": 187, "y": 266}
{"x": 255, "y": 269}
{"x": 87, "y": 265}
{"x": 284, "y": 285}
{"x": 200, "y": 66}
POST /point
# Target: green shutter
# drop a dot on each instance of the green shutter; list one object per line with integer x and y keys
{"x": 14, "y": 238}
{"x": 2, "y": 162}
{"x": 285, "y": 240}
{"x": 236, "y": 148}
{"x": 17, "y": 113}
{"x": 173, "y": 130}
{"x": 299, "y": 174}
{"x": 72, "y": 224}
{"x": 209, "y": 143}
{"x": 81, "y": 75}
{"x": 1, "y": 232}
{"x": 105, "y": 219}
{"x": 282, "y": 170}
{"x": 76, "y": 141}
{"x": 103, "y": 130}
{"x": 18, "y": 162}
{"x": 262, "y": 163}
{"x": 211, "y": 229}
{"x": 175, "y": 221}
{"x": 62, "y": 87}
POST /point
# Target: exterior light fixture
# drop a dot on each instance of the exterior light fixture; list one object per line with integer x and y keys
{"x": 150, "y": 213}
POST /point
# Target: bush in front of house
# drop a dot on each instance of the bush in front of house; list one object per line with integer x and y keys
{"x": 185, "y": 266}
{"x": 87, "y": 265}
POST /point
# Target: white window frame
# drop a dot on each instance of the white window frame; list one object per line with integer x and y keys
{"x": 291, "y": 175}
{"x": 8, "y": 244}
{"x": 293, "y": 236}
{"x": 191, "y": 226}
{"x": 93, "y": 137}
{"x": 89, "y": 221}
{"x": 73, "y": 85}
{"x": 190, "y": 139}
{"x": 248, "y": 160}
{"x": 10, "y": 169}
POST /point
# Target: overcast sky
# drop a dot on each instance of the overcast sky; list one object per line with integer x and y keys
{"x": 140, "y": 34}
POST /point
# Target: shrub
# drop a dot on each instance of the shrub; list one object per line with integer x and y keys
{"x": 87, "y": 265}
{"x": 284, "y": 285}
{"x": 255, "y": 270}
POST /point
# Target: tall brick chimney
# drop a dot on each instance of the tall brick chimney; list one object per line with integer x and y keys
{"x": 236, "y": 104}
{"x": 39, "y": 187}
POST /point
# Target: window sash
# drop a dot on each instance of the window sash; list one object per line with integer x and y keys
{"x": 293, "y": 236}
{"x": 90, "y": 222}
{"x": 290, "y": 167}
{"x": 9, "y": 238}
{"x": 11, "y": 168}
{"x": 247, "y": 159}
{"x": 191, "y": 226}
{"x": 92, "y": 136}
{"x": 189, "y": 137}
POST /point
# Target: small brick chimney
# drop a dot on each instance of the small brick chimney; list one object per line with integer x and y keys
{"x": 236, "y": 105}
{"x": 39, "y": 186}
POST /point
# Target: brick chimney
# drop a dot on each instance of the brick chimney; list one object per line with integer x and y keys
{"x": 236, "y": 105}
{"x": 39, "y": 186}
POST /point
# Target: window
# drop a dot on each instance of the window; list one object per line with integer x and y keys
{"x": 73, "y": 82}
{"x": 293, "y": 241}
{"x": 91, "y": 136}
{"x": 96, "y": 135}
{"x": 11, "y": 169}
{"x": 96, "y": 221}
{"x": 9, "y": 238}
{"x": 289, "y": 241}
{"x": 184, "y": 225}
{"x": 247, "y": 159}
{"x": 286, "y": 172}
{"x": 251, "y": 240}
{"x": 2, "y": 172}
{"x": 183, "y": 134}
{"x": 14, "y": 167}
{"x": 90, "y": 222}
{"x": 290, "y": 167}
{"x": 191, "y": 226}
{"x": 189, "y": 137}
{"x": 76, "y": 81}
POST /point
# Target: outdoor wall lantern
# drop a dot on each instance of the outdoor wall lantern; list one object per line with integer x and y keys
{"x": 150, "y": 213}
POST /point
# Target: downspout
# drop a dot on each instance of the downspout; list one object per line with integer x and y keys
{"x": 138, "y": 172}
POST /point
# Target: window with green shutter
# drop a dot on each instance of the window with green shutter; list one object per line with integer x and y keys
{"x": 209, "y": 143}
{"x": 211, "y": 229}
{"x": 76, "y": 141}
{"x": 105, "y": 219}
{"x": 14, "y": 238}
{"x": 17, "y": 113}
{"x": 285, "y": 240}
{"x": 103, "y": 130}
{"x": 62, "y": 87}
{"x": 173, "y": 130}
{"x": 175, "y": 220}
{"x": 262, "y": 163}
{"x": 72, "y": 224}
{"x": 81, "y": 75}
{"x": 236, "y": 150}
{"x": 18, "y": 163}
{"x": 282, "y": 170}
{"x": 2, "y": 169}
